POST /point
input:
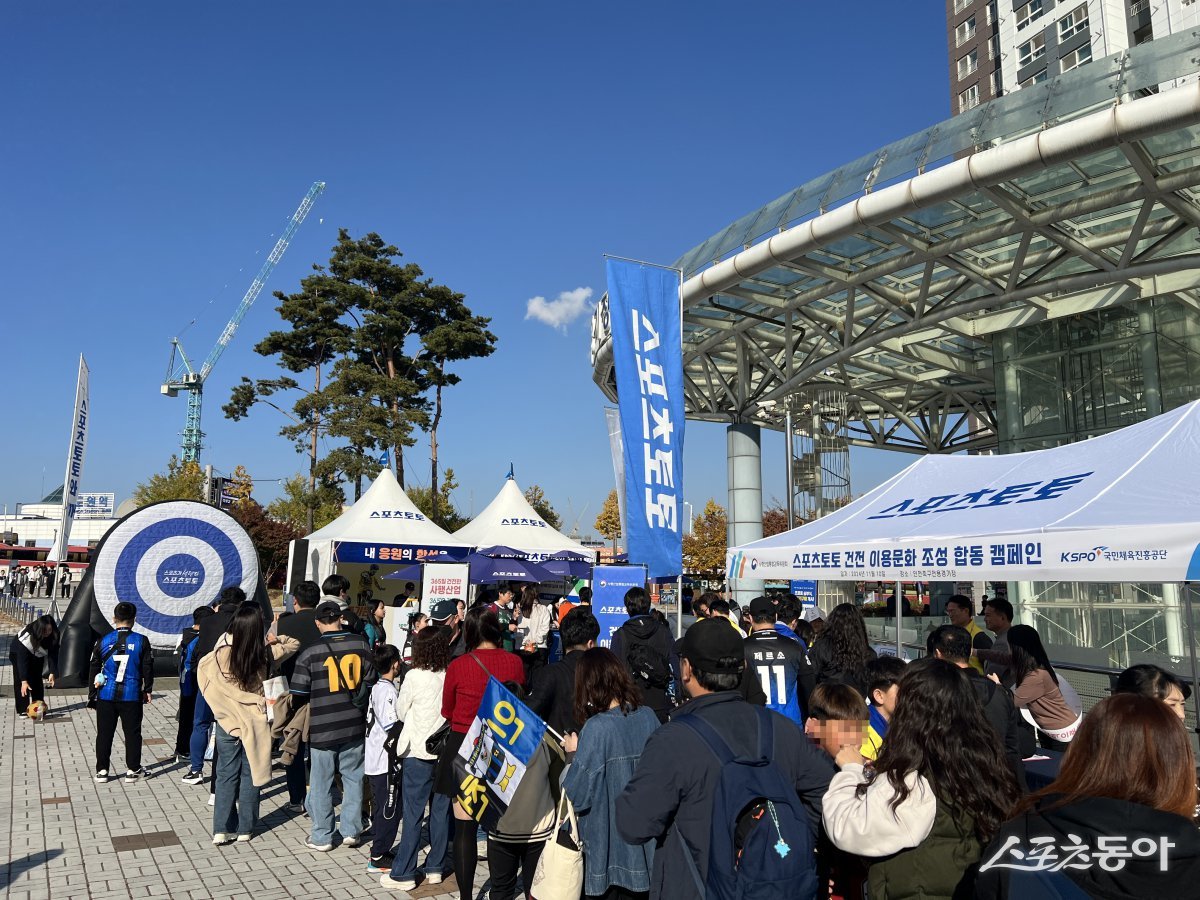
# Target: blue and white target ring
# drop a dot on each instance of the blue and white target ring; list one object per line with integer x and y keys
{"x": 167, "y": 559}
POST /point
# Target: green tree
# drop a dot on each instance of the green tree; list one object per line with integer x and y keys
{"x": 608, "y": 522}
{"x": 536, "y": 497}
{"x": 704, "y": 549}
{"x": 181, "y": 481}
{"x": 440, "y": 509}
{"x": 270, "y": 536}
{"x": 298, "y": 505}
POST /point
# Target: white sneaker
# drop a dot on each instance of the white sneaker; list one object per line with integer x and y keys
{"x": 243, "y": 838}
{"x": 397, "y": 884}
{"x": 212, "y": 799}
{"x": 221, "y": 838}
{"x": 102, "y": 776}
{"x": 320, "y": 848}
{"x": 133, "y": 775}
{"x": 434, "y": 878}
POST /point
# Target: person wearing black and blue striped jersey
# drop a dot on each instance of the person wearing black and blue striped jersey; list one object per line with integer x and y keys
{"x": 122, "y": 678}
{"x": 778, "y": 663}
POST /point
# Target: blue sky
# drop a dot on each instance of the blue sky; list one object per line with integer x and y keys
{"x": 153, "y": 152}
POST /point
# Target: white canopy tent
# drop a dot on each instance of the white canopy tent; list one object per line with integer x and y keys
{"x": 384, "y": 526}
{"x": 1123, "y": 507}
{"x": 510, "y": 521}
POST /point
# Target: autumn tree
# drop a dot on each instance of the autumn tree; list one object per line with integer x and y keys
{"x": 536, "y": 497}
{"x": 608, "y": 522}
{"x": 775, "y": 520}
{"x": 704, "y": 549}
{"x": 296, "y": 504}
{"x": 271, "y": 537}
{"x": 239, "y": 485}
{"x": 181, "y": 481}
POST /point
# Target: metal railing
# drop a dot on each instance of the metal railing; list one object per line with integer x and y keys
{"x": 23, "y": 610}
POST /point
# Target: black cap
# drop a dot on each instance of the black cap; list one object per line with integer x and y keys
{"x": 762, "y": 606}
{"x": 328, "y": 611}
{"x": 710, "y": 640}
{"x": 442, "y": 610}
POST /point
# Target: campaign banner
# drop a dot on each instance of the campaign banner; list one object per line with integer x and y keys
{"x": 648, "y": 360}
{"x": 609, "y": 584}
{"x": 359, "y": 552}
{"x": 73, "y": 475}
{"x": 500, "y": 745}
{"x": 444, "y": 581}
{"x": 1157, "y": 553}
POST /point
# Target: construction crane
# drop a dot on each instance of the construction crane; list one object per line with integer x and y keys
{"x": 182, "y": 376}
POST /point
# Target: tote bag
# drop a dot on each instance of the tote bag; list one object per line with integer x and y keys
{"x": 559, "y": 872}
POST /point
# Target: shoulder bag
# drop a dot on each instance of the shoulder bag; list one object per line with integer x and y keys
{"x": 559, "y": 872}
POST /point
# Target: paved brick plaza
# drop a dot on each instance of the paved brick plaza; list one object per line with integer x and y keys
{"x": 68, "y": 837}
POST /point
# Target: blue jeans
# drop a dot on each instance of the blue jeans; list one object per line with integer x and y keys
{"x": 202, "y": 722}
{"x": 417, "y": 787}
{"x": 323, "y": 762}
{"x": 235, "y": 787}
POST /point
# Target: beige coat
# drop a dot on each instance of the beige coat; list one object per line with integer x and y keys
{"x": 242, "y": 714}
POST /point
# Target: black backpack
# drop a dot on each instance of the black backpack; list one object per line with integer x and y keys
{"x": 649, "y": 666}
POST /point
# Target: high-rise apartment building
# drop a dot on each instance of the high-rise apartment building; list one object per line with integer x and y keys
{"x": 1000, "y": 46}
{"x": 974, "y": 38}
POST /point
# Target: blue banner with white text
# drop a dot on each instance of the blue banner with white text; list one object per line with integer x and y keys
{"x": 648, "y": 359}
{"x": 609, "y": 586}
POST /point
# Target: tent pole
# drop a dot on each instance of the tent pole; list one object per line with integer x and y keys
{"x": 899, "y": 620}
{"x": 1192, "y": 654}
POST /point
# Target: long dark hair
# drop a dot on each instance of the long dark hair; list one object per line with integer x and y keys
{"x": 940, "y": 732}
{"x": 248, "y": 658}
{"x": 1028, "y": 654}
{"x": 600, "y": 678}
{"x": 481, "y": 624}
{"x": 529, "y": 599}
{"x": 846, "y": 633}
{"x": 43, "y": 633}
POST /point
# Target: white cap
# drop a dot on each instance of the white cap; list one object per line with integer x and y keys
{"x": 812, "y": 613}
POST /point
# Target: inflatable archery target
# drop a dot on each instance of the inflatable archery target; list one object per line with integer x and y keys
{"x": 167, "y": 559}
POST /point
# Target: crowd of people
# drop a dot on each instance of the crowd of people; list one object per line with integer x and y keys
{"x": 768, "y": 752}
{"x": 33, "y": 582}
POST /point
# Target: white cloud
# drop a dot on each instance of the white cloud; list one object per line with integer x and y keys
{"x": 561, "y": 311}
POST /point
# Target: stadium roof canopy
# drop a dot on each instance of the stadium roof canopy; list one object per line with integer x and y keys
{"x": 889, "y": 276}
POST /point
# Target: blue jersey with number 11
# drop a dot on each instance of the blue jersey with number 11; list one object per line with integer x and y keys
{"x": 779, "y": 665}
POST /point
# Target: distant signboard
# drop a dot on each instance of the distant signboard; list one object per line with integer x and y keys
{"x": 96, "y": 506}
{"x": 609, "y": 584}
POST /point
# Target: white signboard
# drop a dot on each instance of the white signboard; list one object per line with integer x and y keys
{"x": 94, "y": 505}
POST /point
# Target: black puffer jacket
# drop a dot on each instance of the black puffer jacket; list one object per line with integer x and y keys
{"x": 1155, "y": 875}
{"x": 648, "y": 630}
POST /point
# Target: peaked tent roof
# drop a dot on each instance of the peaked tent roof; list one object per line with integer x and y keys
{"x": 510, "y": 520}
{"x": 1124, "y": 506}
{"x": 384, "y": 514}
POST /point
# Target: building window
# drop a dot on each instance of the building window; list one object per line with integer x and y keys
{"x": 1030, "y": 12}
{"x": 1031, "y": 50}
{"x": 968, "y": 64}
{"x": 991, "y": 13}
{"x": 994, "y": 47}
{"x": 968, "y": 98}
{"x": 1036, "y": 78}
{"x": 1139, "y": 6}
{"x": 996, "y": 92}
{"x": 964, "y": 32}
{"x": 1077, "y": 58}
{"x": 1073, "y": 22}
{"x": 960, "y": 5}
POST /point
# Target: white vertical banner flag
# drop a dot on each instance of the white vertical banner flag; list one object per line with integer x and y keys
{"x": 73, "y": 477}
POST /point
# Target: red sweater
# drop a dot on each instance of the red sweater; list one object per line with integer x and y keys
{"x": 466, "y": 682}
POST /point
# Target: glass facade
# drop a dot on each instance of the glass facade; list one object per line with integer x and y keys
{"x": 1073, "y": 378}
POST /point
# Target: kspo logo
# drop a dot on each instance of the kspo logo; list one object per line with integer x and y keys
{"x": 984, "y": 498}
{"x": 1075, "y": 556}
{"x": 396, "y": 514}
{"x": 536, "y": 523}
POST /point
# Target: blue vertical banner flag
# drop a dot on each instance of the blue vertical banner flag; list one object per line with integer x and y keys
{"x": 648, "y": 358}
{"x": 609, "y": 585}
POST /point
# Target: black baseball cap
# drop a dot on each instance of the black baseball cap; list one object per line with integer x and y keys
{"x": 442, "y": 610}
{"x": 710, "y": 640}
{"x": 763, "y": 606}
{"x": 328, "y": 611}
